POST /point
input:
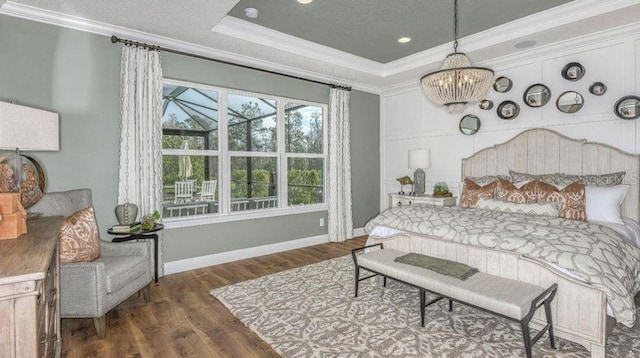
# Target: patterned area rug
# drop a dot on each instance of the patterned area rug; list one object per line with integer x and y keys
{"x": 311, "y": 312}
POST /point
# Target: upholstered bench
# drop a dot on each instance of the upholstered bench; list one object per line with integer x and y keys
{"x": 511, "y": 299}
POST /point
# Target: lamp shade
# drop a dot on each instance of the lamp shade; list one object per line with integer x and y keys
{"x": 28, "y": 129}
{"x": 419, "y": 159}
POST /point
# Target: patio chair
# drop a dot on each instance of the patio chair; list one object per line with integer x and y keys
{"x": 183, "y": 191}
{"x": 208, "y": 190}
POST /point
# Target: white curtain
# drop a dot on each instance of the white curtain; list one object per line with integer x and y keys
{"x": 340, "y": 223}
{"x": 140, "y": 173}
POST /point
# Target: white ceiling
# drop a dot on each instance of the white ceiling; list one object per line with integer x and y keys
{"x": 203, "y": 27}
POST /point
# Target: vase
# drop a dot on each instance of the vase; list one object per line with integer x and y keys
{"x": 126, "y": 213}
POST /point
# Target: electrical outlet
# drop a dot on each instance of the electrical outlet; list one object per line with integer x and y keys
{"x": 321, "y": 221}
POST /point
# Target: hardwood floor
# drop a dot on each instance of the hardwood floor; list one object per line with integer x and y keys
{"x": 182, "y": 319}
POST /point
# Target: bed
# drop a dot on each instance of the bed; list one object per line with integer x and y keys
{"x": 580, "y": 309}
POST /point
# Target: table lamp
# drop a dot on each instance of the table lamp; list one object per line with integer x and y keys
{"x": 27, "y": 129}
{"x": 419, "y": 159}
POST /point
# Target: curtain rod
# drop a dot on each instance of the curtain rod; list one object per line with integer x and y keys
{"x": 115, "y": 39}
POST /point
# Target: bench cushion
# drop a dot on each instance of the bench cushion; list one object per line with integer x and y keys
{"x": 508, "y": 297}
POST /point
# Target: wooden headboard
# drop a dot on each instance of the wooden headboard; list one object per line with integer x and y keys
{"x": 542, "y": 151}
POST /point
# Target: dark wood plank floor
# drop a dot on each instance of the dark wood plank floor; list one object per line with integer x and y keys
{"x": 182, "y": 319}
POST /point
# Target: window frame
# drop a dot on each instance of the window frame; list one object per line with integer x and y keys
{"x": 224, "y": 155}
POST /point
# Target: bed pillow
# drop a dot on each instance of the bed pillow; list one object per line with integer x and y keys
{"x": 559, "y": 180}
{"x": 541, "y": 209}
{"x": 79, "y": 237}
{"x": 572, "y": 197}
{"x": 471, "y": 191}
{"x": 603, "y": 203}
{"x": 507, "y": 191}
{"x": 488, "y": 179}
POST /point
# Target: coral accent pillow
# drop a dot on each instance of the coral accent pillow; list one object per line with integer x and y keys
{"x": 471, "y": 192}
{"x": 79, "y": 237}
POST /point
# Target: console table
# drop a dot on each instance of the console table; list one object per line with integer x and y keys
{"x": 29, "y": 297}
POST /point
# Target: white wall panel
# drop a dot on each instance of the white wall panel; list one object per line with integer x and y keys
{"x": 406, "y": 110}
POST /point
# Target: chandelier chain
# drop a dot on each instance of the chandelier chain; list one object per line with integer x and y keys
{"x": 455, "y": 25}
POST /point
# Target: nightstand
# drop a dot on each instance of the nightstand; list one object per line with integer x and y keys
{"x": 398, "y": 200}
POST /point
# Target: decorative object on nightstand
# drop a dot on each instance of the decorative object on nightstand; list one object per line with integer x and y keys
{"x": 25, "y": 128}
{"x": 13, "y": 222}
{"x": 405, "y": 180}
{"x": 441, "y": 190}
{"x": 402, "y": 200}
{"x": 419, "y": 159}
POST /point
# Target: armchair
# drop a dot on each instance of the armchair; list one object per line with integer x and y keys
{"x": 91, "y": 289}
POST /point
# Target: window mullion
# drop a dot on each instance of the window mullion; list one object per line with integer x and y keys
{"x": 224, "y": 163}
{"x": 282, "y": 159}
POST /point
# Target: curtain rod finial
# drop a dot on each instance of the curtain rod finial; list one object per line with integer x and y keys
{"x": 114, "y": 39}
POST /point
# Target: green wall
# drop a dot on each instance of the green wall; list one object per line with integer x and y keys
{"x": 77, "y": 75}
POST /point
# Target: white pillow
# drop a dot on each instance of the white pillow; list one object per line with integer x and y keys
{"x": 603, "y": 203}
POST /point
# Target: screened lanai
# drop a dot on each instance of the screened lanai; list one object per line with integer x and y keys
{"x": 190, "y": 133}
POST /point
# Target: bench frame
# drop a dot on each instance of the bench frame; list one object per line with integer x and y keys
{"x": 544, "y": 299}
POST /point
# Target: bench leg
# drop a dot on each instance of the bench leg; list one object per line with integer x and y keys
{"x": 384, "y": 281}
{"x": 527, "y": 337}
{"x": 450, "y": 305}
{"x": 547, "y": 312}
{"x": 422, "y": 305}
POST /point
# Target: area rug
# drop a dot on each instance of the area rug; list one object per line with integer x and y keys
{"x": 311, "y": 312}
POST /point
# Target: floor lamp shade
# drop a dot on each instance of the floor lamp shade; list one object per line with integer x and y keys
{"x": 419, "y": 159}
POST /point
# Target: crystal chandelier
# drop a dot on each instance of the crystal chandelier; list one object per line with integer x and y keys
{"x": 458, "y": 82}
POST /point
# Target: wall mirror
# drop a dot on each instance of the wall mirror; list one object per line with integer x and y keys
{"x": 573, "y": 71}
{"x": 597, "y": 89}
{"x": 537, "y": 95}
{"x": 485, "y": 104}
{"x": 469, "y": 124}
{"x": 570, "y": 102}
{"x": 502, "y": 84}
{"x": 628, "y": 107}
{"x": 508, "y": 110}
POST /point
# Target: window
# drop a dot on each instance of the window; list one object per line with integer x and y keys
{"x": 230, "y": 154}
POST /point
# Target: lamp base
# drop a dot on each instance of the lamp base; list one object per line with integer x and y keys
{"x": 418, "y": 181}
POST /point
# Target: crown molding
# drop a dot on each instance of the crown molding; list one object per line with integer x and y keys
{"x": 248, "y": 31}
{"x": 100, "y": 28}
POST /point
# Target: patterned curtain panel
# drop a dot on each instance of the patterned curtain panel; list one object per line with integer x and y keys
{"x": 140, "y": 173}
{"x": 340, "y": 223}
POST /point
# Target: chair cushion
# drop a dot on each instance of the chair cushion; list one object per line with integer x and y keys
{"x": 79, "y": 237}
{"x": 122, "y": 270}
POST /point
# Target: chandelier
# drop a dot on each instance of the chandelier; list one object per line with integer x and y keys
{"x": 458, "y": 82}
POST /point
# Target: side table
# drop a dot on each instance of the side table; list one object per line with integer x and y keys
{"x": 141, "y": 235}
{"x": 400, "y": 199}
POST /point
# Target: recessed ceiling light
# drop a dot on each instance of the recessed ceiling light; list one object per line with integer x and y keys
{"x": 251, "y": 12}
{"x": 525, "y": 44}
{"x": 404, "y": 40}
{"x": 305, "y": 2}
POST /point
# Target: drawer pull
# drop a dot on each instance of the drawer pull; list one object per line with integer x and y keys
{"x": 43, "y": 339}
{"x": 53, "y": 291}
{"x": 409, "y": 202}
{"x": 52, "y": 302}
{"x": 399, "y": 203}
{"x": 54, "y": 337}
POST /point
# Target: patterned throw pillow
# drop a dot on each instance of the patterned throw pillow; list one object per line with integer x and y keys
{"x": 572, "y": 197}
{"x": 557, "y": 179}
{"x": 79, "y": 237}
{"x": 471, "y": 191}
{"x": 488, "y": 179}
{"x": 506, "y": 191}
{"x": 542, "y": 209}
{"x": 610, "y": 179}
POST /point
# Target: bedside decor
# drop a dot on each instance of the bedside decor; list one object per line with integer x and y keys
{"x": 13, "y": 218}
{"x": 573, "y": 71}
{"x": 627, "y": 107}
{"x": 458, "y": 82}
{"x": 25, "y": 128}
{"x": 419, "y": 159}
{"x": 570, "y": 102}
{"x": 126, "y": 213}
{"x": 441, "y": 190}
{"x": 405, "y": 180}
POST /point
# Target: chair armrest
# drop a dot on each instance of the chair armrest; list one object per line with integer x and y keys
{"x": 128, "y": 248}
{"x": 83, "y": 289}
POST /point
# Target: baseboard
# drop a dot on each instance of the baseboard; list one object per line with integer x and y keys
{"x": 235, "y": 255}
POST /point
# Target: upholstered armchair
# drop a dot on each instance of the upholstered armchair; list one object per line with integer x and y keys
{"x": 91, "y": 289}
